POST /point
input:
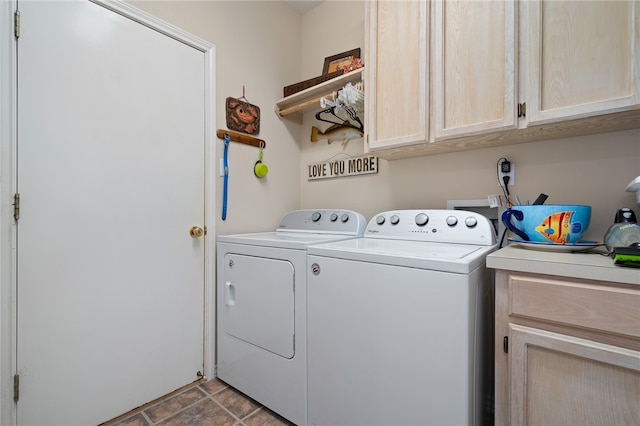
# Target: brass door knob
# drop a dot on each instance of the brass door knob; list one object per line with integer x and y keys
{"x": 196, "y": 232}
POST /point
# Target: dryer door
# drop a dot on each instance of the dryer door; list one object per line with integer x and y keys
{"x": 259, "y": 302}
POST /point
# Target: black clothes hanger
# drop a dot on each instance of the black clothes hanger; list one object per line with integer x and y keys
{"x": 330, "y": 110}
{"x": 342, "y": 122}
{"x": 354, "y": 116}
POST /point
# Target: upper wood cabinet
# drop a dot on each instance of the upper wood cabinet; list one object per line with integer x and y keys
{"x": 438, "y": 70}
{"x": 473, "y": 67}
{"x": 446, "y": 75}
{"x": 581, "y": 58}
{"x": 396, "y": 73}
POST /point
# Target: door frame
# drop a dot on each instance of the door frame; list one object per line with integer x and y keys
{"x": 8, "y": 187}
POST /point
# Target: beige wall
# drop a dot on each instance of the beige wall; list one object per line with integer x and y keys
{"x": 257, "y": 46}
{"x": 264, "y": 45}
{"x": 592, "y": 170}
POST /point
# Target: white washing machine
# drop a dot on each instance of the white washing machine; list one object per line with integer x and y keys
{"x": 261, "y": 301}
{"x": 400, "y": 322}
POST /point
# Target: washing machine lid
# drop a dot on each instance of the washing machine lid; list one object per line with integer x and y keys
{"x": 287, "y": 240}
{"x": 445, "y": 257}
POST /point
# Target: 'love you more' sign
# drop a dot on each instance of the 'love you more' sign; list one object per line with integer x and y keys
{"x": 344, "y": 167}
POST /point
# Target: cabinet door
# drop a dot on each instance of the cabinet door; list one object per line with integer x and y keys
{"x": 473, "y": 67}
{"x": 582, "y": 58}
{"x": 396, "y": 73}
{"x": 558, "y": 379}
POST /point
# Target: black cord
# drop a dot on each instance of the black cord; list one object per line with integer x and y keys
{"x": 505, "y": 191}
{"x": 505, "y": 181}
{"x": 502, "y": 238}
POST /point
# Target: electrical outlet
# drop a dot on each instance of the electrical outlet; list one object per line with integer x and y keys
{"x": 511, "y": 173}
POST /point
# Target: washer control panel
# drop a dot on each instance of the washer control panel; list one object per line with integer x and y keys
{"x": 444, "y": 226}
{"x": 343, "y": 222}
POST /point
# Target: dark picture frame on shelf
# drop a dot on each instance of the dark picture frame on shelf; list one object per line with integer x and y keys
{"x": 339, "y": 61}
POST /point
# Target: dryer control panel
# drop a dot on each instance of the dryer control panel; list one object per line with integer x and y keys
{"x": 442, "y": 226}
{"x": 342, "y": 222}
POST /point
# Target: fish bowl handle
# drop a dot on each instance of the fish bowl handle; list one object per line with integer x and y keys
{"x": 506, "y": 219}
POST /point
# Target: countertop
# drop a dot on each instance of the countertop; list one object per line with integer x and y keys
{"x": 590, "y": 265}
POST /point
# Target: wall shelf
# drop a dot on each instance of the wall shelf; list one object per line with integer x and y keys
{"x": 292, "y": 106}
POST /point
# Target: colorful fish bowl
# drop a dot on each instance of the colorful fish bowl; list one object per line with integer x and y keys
{"x": 548, "y": 223}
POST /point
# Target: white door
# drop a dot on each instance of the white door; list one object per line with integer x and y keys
{"x": 111, "y": 144}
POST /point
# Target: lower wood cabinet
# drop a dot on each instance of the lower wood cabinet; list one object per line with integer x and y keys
{"x": 567, "y": 351}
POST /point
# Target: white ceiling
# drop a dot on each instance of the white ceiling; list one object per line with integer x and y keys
{"x": 303, "y": 6}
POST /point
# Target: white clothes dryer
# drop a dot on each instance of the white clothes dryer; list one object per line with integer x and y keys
{"x": 399, "y": 322}
{"x": 261, "y": 306}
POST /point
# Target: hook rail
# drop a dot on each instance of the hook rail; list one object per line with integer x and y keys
{"x": 240, "y": 138}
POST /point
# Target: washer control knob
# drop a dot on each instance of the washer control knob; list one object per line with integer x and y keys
{"x": 452, "y": 221}
{"x": 333, "y": 217}
{"x": 380, "y": 220}
{"x": 394, "y": 219}
{"x": 344, "y": 218}
{"x": 471, "y": 222}
{"x": 316, "y": 216}
{"x": 422, "y": 219}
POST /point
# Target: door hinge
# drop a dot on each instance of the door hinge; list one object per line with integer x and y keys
{"x": 505, "y": 344}
{"x": 16, "y": 24}
{"x": 16, "y": 387}
{"x": 522, "y": 109}
{"x": 16, "y": 206}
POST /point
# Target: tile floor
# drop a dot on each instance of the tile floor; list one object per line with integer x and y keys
{"x": 211, "y": 403}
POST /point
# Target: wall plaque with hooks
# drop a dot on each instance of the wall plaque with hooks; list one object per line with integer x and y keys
{"x": 240, "y": 138}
